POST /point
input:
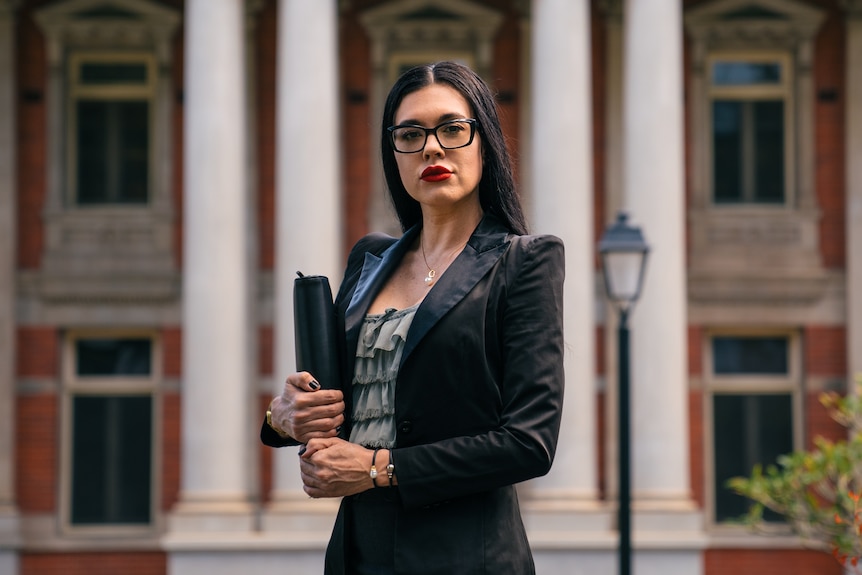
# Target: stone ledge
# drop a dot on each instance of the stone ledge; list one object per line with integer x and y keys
{"x": 778, "y": 288}
{"x": 10, "y": 528}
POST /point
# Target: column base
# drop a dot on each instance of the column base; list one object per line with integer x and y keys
{"x": 569, "y": 523}
{"x": 210, "y": 524}
{"x": 10, "y": 529}
{"x": 10, "y": 539}
{"x": 250, "y": 561}
{"x": 667, "y": 524}
{"x": 578, "y": 537}
{"x": 301, "y": 520}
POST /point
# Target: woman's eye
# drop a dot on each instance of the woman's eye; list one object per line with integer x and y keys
{"x": 452, "y": 128}
{"x": 409, "y": 135}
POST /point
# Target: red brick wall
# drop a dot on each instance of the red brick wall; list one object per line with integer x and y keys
{"x": 601, "y": 442}
{"x": 358, "y": 125}
{"x": 768, "y": 562}
{"x": 266, "y": 455}
{"x": 37, "y": 352}
{"x": 825, "y": 350}
{"x": 818, "y": 422}
{"x": 125, "y": 563}
{"x": 695, "y": 351}
{"x": 31, "y": 158}
{"x": 505, "y": 81}
{"x": 172, "y": 339}
{"x": 171, "y": 449}
{"x": 266, "y": 47}
{"x": 172, "y": 351}
{"x": 829, "y": 136}
{"x": 598, "y": 40}
{"x": 36, "y": 422}
{"x": 695, "y": 446}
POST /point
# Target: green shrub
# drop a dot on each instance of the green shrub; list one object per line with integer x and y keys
{"x": 817, "y": 491}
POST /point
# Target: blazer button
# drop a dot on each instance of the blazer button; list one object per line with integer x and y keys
{"x": 405, "y": 426}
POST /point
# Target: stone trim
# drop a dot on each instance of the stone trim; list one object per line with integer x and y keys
{"x": 739, "y": 252}
{"x": 88, "y": 248}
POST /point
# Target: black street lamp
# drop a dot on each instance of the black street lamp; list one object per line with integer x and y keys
{"x": 624, "y": 252}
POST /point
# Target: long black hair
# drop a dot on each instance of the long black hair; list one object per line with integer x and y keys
{"x": 497, "y": 194}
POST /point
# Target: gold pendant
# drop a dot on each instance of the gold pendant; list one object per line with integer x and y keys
{"x": 429, "y": 279}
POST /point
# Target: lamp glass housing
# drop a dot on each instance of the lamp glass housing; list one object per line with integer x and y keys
{"x": 623, "y": 273}
{"x": 624, "y": 252}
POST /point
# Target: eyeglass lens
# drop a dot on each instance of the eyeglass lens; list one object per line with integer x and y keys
{"x": 452, "y": 134}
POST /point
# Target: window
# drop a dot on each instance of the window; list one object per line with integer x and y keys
{"x": 750, "y": 112}
{"x": 111, "y": 99}
{"x": 110, "y": 445}
{"x": 754, "y": 406}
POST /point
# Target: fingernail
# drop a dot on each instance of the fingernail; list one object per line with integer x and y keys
{"x": 301, "y": 450}
{"x": 314, "y": 385}
{"x": 338, "y": 429}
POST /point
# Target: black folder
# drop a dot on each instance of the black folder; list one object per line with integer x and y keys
{"x": 315, "y": 330}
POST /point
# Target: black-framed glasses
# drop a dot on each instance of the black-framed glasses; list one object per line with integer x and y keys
{"x": 451, "y": 134}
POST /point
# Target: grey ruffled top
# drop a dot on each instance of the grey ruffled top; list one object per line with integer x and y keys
{"x": 378, "y": 356}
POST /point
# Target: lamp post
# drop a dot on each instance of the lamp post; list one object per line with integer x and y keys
{"x": 623, "y": 252}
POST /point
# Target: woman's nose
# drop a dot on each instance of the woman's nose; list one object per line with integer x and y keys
{"x": 432, "y": 147}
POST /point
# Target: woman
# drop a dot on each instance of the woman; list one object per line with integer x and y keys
{"x": 453, "y": 351}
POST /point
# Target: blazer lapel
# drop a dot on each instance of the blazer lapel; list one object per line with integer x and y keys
{"x": 486, "y": 245}
{"x": 375, "y": 271}
{"x": 484, "y": 248}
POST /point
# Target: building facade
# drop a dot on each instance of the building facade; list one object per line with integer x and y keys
{"x": 164, "y": 162}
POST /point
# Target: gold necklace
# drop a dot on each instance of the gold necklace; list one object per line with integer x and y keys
{"x": 432, "y": 272}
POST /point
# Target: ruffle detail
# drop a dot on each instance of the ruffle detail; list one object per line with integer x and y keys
{"x": 378, "y": 355}
{"x": 385, "y": 332}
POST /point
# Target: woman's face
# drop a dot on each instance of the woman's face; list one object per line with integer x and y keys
{"x": 439, "y": 178}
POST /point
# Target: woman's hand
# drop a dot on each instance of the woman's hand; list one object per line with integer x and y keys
{"x": 333, "y": 467}
{"x": 304, "y": 411}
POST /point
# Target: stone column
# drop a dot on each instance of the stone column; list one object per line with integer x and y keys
{"x": 215, "y": 488}
{"x": 562, "y": 193}
{"x": 654, "y": 194}
{"x": 854, "y": 186}
{"x": 8, "y": 275}
{"x": 308, "y": 214}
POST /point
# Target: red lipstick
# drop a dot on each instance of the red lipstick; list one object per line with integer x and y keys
{"x": 435, "y": 174}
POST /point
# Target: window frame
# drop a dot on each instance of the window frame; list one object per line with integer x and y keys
{"x": 747, "y": 384}
{"x": 110, "y": 93}
{"x": 750, "y": 93}
{"x": 74, "y": 385}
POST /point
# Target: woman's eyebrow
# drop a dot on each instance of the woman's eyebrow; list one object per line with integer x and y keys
{"x": 441, "y": 118}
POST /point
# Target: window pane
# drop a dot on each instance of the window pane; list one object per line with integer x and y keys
{"x": 111, "y": 459}
{"x": 113, "y": 151}
{"x": 745, "y": 73}
{"x": 92, "y": 151}
{"x": 748, "y": 430}
{"x": 769, "y": 150}
{"x": 108, "y": 73}
{"x": 727, "y": 151}
{"x": 134, "y": 152}
{"x": 748, "y": 151}
{"x": 750, "y": 355}
{"x": 97, "y": 357}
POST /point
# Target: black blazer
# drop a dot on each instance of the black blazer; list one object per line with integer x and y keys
{"x": 478, "y": 396}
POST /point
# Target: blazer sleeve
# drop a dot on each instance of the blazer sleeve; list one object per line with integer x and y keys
{"x": 522, "y": 443}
